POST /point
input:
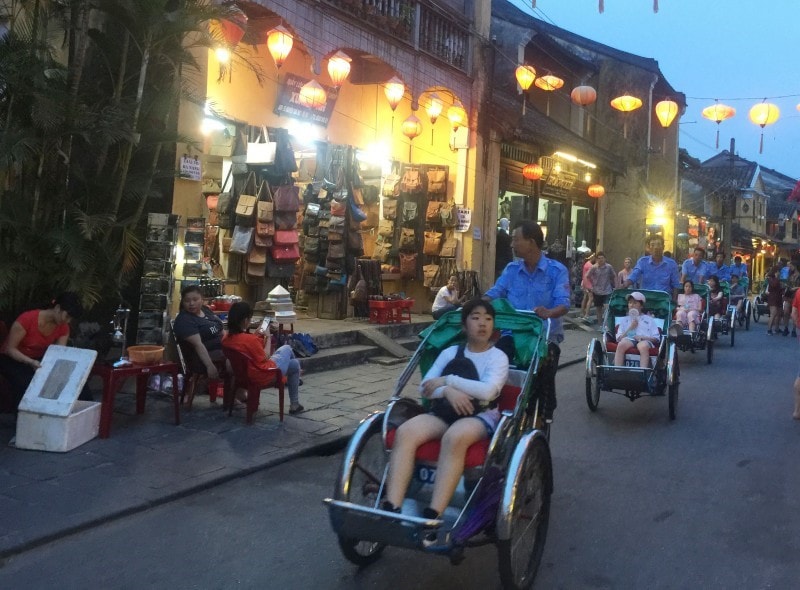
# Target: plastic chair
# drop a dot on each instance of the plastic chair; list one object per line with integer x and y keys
{"x": 191, "y": 378}
{"x": 271, "y": 378}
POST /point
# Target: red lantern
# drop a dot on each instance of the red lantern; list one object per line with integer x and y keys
{"x": 596, "y": 191}
{"x": 232, "y": 29}
{"x": 532, "y": 172}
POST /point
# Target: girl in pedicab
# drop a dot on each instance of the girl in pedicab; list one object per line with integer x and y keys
{"x": 690, "y": 305}
{"x": 716, "y": 298}
{"x": 636, "y": 331}
{"x": 462, "y": 385}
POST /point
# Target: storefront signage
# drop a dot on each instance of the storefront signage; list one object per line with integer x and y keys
{"x": 190, "y": 168}
{"x": 463, "y": 219}
{"x": 288, "y": 104}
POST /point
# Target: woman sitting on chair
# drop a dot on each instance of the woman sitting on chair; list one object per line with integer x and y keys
{"x": 689, "y": 306}
{"x": 462, "y": 412}
{"x": 255, "y": 348}
{"x": 636, "y": 330}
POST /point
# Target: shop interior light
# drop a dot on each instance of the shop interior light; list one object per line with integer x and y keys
{"x": 394, "y": 90}
{"x": 339, "y": 68}
{"x": 312, "y": 95}
{"x": 557, "y": 168}
{"x": 208, "y": 125}
{"x": 279, "y": 44}
{"x": 587, "y": 177}
{"x": 566, "y": 156}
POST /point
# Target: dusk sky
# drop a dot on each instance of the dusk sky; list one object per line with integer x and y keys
{"x": 739, "y": 51}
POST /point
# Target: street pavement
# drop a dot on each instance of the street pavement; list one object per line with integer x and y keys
{"x": 148, "y": 460}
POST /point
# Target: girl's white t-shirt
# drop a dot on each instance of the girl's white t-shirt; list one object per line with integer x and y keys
{"x": 492, "y": 366}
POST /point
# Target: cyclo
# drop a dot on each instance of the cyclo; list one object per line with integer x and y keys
{"x": 704, "y": 336}
{"x": 504, "y": 494}
{"x": 632, "y": 381}
{"x": 726, "y": 323}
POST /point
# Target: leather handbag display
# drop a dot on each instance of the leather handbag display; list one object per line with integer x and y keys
{"x": 241, "y": 240}
{"x": 260, "y": 240}
{"x": 283, "y": 254}
{"x": 437, "y": 181}
{"x": 336, "y": 250}
{"x": 433, "y": 243}
{"x": 429, "y": 274}
{"x": 265, "y": 229}
{"x": 409, "y": 212}
{"x": 257, "y": 255}
{"x": 287, "y": 198}
{"x": 381, "y": 251}
{"x": 285, "y": 220}
{"x": 408, "y": 239}
{"x": 390, "y": 209}
{"x": 432, "y": 213}
{"x": 449, "y": 247}
{"x": 338, "y": 207}
{"x": 256, "y": 269}
{"x": 224, "y": 203}
{"x": 285, "y": 237}
{"x": 245, "y": 209}
{"x": 412, "y": 181}
{"x": 265, "y": 207}
{"x": 391, "y": 185}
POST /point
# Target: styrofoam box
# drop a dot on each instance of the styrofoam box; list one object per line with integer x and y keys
{"x": 45, "y": 432}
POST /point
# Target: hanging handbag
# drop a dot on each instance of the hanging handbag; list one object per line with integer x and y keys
{"x": 429, "y": 274}
{"x": 338, "y": 207}
{"x": 408, "y": 239}
{"x": 285, "y": 254}
{"x": 381, "y": 251}
{"x": 265, "y": 229}
{"x": 373, "y": 216}
{"x": 391, "y": 186}
{"x": 226, "y": 244}
{"x": 285, "y": 220}
{"x": 371, "y": 194}
{"x": 241, "y": 240}
{"x": 312, "y": 211}
{"x": 447, "y": 214}
{"x": 356, "y": 214}
{"x": 287, "y": 198}
{"x": 265, "y": 207}
{"x": 449, "y": 247}
{"x": 246, "y": 205}
{"x": 262, "y": 240}
{"x": 390, "y": 208}
{"x": 311, "y": 247}
{"x": 437, "y": 181}
{"x": 256, "y": 270}
{"x": 257, "y": 255}
{"x": 409, "y": 212}
{"x": 412, "y": 181}
{"x": 336, "y": 250}
{"x": 261, "y": 151}
{"x": 222, "y": 142}
{"x": 280, "y": 270}
{"x": 285, "y": 237}
{"x": 336, "y": 228}
{"x": 386, "y": 228}
{"x": 355, "y": 243}
{"x": 408, "y": 265}
{"x": 432, "y": 214}
{"x": 433, "y": 243}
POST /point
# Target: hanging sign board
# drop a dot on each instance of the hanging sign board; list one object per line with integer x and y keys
{"x": 190, "y": 168}
{"x": 463, "y": 219}
{"x": 288, "y": 103}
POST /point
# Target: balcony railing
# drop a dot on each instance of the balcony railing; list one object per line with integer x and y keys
{"x": 417, "y": 24}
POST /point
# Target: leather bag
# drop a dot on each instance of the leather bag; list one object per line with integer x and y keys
{"x": 447, "y": 214}
{"x": 391, "y": 185}
{"x": 432, "y": 212}
{"x": 433, "y": 243}
{"x": 285, "y": 237}
{"x": 282, "y": 254}
{"x": 408, "y": 239}
{"x": 287, "y": 198}
{"x": 262, "y": 150}
{"x": 437, "y": 181}
{"x": 449, "y": 247}
{"x": 386, "y": 228}
{"x": 429, "y": 274}
{"x": 390, "y": 209}
{"x": 408, "y": 265}
{"x": 412, "y": 181}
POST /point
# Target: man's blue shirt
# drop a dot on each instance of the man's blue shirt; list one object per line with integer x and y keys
{"x": 723, "y": 272}
{"x": 547, "y": 285}
{"x": 663, "y": 276}
{"x": 739, "y": 270}
{"x": 697, "y": 273}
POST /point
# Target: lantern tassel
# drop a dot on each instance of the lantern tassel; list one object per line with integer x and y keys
{"x": 717, "y": 137}
{"x": 655, "y": 5}
{"x": 533, "y": 4}
{"x": 601, "y": 8}
{"x": 761, "y": 145}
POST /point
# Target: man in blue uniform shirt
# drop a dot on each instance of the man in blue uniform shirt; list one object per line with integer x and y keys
{"x": 656, "y": 271}
{"x": 720, "y": 269}
{"x": 695, "y": 268}
{"x": 535, "y": 282}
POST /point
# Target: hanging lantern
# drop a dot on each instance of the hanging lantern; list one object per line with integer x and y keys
{"x": 231, "y": 29}
{"x": 312, "y": 95}
{"x": 525, "y": 75}
{"x": 549, "y": 82}
{"x": 412, "y": 127}
{"x": 457, "y": 115}
{"x": 339, "y": 68}
{"x": 532, "y": 172}
{"x": 279, "y": 43}
{"x": 596, "y": 191}
{"x": 583, "y": 95}
{"x": 764, "y": 114}
{"x": 626, "y": 103}
{"x": 394, "y": 90}
{"x": 718, "y": 112}
{"x": 666, "y": 111}
{"x": 434, "y": 108}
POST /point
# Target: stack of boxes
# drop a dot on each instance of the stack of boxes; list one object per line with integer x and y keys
{"x": 281, "y": 306}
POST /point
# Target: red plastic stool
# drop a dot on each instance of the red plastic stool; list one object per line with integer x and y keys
{"x": 402, "y": 310}
{"x": 381, "y": 312}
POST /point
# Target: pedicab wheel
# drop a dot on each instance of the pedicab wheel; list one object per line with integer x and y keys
{"x": 361, "y": 487}
{"x": 593, "y": 384}
{"x": 673, "y": 395}
{"x": 709, "y": 351}
{"x": 756, "y": 313}
{"x": 526, "y": 507}
{"x": 747, "y": 318}
{"x": 733, "y": 333}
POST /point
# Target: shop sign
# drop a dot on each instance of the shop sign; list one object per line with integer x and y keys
{"x": 288, "y": 104}
{"x": 190, "y": 168}
{"x": 463, "y": 219}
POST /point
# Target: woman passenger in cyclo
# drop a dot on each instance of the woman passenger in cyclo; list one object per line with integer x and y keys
{"x": 30, "y": 336}
{"x": 258, "y": 353}
{"x": 716, "y": 298}
{"x": 737, "y": 293}
{"x": 689, "y": 307}
{"x": 636, "y": 330}
{"x": 469, "y": 417}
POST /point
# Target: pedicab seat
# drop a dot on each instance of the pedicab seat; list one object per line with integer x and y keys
{"x": 611, "y": 342}
{"x": 476, "y": 453}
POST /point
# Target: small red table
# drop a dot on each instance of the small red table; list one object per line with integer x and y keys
{"x": 113, "y": 378}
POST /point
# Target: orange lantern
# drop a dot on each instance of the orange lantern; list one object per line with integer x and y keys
{"x": 596, "y": 191}
{"x": 549, "y": 82}
{"x": 312, "y": 95}
{"x": 532, "y": 172}
{"x": 279, "y": 44}
{"x": 583, "y": 95}
{"x": 626, "y": 103}
{"x": 666, "y": 111}
{"x": 339, "y": 68}
{"x": 764, "y": 114}
{"x": 232, "y": 28}
{"x": 434, "y": 108}
{"x": 394, "y": 90}
{"x": 718, "y": 112}
{"x": 457, "y": 115}
{"x": 412, "y": 127}
{"x": 525, "y": 75}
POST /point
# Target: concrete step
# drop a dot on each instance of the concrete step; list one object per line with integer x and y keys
{"x": 410, "y": 343}
{"x": 338, "y": 357}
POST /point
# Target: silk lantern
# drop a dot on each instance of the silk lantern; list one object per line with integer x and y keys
{"x": 525, "y": 76}
{"x": 626, "y": 103}
{"x": 764, "y": 114}
{"x": 434, "y": 109}
{"x": 718, "y": 112}
{"x": 339, "y": 68}
{"x": 457, "y": 115}
{"x": 666, "y": 111}
{"x": 312, "y": 95}
{"x": 549, "y": 83}
{"x": 532, "y": 172}
{"x": 394, "y": 90}
{"x": 596, "y": 191}
{"x": 583, "y": 95}
{"x": 279, "y": 44}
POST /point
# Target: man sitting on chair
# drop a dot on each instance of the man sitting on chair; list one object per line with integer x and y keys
{"x": 636, "y": 330}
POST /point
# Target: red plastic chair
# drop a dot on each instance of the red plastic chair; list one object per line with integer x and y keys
{"x": 271, "y": 378}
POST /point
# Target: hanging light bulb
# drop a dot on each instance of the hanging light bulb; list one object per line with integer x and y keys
{"x": 339, "y": 68}
{"x": 279, "y": 44}
{"x": 312, "y": 95}
{"x": 394, "y": 90}
{"x": 223, "y": 54}
{"x": 457, "y": 115}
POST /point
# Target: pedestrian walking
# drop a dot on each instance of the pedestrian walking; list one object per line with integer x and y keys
{"x": 586, "y": 285}
{"x": 602, "y": 276}
{"x": 622, "y": 276}
{"x": 796, "y": 318}
{"x": 792, "y": 285}
{"x": 774, "y": 301}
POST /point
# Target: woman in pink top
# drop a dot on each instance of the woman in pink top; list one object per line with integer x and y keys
{"x": 622, "y": 275}
{"x": 28, "y": 339}
{"x": 586, "y": 285}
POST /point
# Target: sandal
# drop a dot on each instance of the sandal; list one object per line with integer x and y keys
{"x": 297, "y": 409}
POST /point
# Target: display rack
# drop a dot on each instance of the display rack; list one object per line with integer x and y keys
{"x": 157, "y": 277}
